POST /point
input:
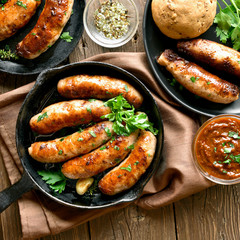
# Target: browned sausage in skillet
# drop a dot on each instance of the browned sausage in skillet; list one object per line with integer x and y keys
{"x": 213, "y": 54}
{"x": 47, "y": 29}
{"x": 100, "y": 87}
{"x": 68, "y": 114}
{"x": 99, "y": 160}
{"x": 197, "y": 80}
{"x": 131, "y": 169}
{"x": 71, "y": 146}
{"x": 15, "y": 15}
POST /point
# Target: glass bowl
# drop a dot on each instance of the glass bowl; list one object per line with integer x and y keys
{"x": 98, "y": 37}
{"x": 218, "y": 149}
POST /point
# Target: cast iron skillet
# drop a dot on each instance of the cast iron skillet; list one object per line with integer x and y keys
{"x": 45, "y": 93}
{"x": 55, "y": 54}
{"x": 155, "y": 43}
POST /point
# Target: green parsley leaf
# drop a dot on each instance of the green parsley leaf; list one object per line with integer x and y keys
{"x": 33, "y": 34}
{"x": 80, "y": 139}
{"x": 136, "y": 163}
{"x": 55, "y": 180}
{"x": 224, "y": 171}
{"x": 124, "y": 119}
{"x": 92, "y": 100}
{"x": 41, "y": 117}
{"x": 89, "y": 109}
{"x": 126, "y": 88}
{"x": 65, "y": 36}
{"x": 107, "y": 130}
{"x": 116, "y": 148}
{"x": 228, "y": 161}
{"x": 128, "y": 168}
{"x": 215, "y": 149}
{"x": 131, "y": 146}
{"x": 60, "y": 152}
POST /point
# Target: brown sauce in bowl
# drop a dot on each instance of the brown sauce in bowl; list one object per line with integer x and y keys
{"x": 217, "y": 147}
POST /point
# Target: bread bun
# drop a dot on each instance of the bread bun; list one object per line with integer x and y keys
{"x": 183, "y": 18}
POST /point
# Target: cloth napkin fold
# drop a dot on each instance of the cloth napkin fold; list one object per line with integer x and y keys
{"x": 179, "y": 179}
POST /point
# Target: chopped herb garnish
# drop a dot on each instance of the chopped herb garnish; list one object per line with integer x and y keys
{"x": 92, "y": 100}
{"x": 94, "y": 187}
{"x": 214, "y": 163}
{"x": 107, "y": 92}
{"x": 89, "y": 109}
{"x": 128, "y": 168}
{"x": 208, "y": 83}
{"x": 233, "y": 135}
{"x": 136, "y": 163}
{"x": 228, "y": 161}
{"x": 33, "y": 34}
{"x": 41, "y": 117}
{"x": 227, "y": 150}
{"x": 20, "y": 3}
{"x": 80, "y": 139}
{"x": 7, "y": 54}
{"x": 131, "y": 146}
{"x": 117, "y": 160}
{"x": 80, "y": 130}
{"x": 93, "y": 144}
{"x": 107, "y": 130}
{"x": 126, "y": 88}
{"x": 60, "y": 152}
{"x": 215, "y": 149}
{"x": 149, "y": 154}
{"x": 103, "y": 147}
{"x": 194, "y": 79}
{"x": 223, "y": 144}
{"x": 116, "y": 148}
{"x": 231, "y": 145}
{"x": 224, "y": 171}
{"x": 119, "y": 175}
{"x": 65, "y": 36}
{"x": 92, "y": 133}
{"x": 219, "y": 162}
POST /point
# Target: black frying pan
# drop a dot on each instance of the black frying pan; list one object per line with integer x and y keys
{"x": 45, "y": 93}
{"x": 54, "y": 55}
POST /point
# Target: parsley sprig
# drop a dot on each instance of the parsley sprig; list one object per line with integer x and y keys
{"x": 65, "y": 36}
{"x": 55, "y": 180}
{"x": 228, "y": 23}
{"x": 124, "y": 119}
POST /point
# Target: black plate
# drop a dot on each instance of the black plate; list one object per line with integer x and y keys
{"x": 155, "y": 43}
{"x": 54, "y": 55}
{"x": 45, "y": 93}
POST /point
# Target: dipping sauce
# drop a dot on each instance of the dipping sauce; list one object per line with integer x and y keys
{"x": 216, "y": 147}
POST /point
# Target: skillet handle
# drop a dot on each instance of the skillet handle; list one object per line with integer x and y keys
{"x": 14, "y": 192}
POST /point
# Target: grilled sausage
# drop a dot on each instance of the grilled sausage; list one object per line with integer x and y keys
{"x": 62, "y": 149}
{"x": 67, "y": 114}
{"x": 101, "y": 87}
{"x": 97, "y": 161}
{"x": 213, "y": 54}
{"x": 197, "y": 80}
{"x": 15, "y": 15}
{"x": 47, "y": 29}
{"x": 131, "y": 169}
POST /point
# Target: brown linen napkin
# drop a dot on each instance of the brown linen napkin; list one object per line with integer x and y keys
{"x": 179, "y": 179}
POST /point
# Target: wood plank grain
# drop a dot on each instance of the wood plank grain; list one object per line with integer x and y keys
{"x": 211, "y": 214}
{"x": 135, "y": 223}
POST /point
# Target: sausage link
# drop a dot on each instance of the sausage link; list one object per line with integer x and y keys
{"x": 67, "y": 114}
{"x": 13, "y": 17}
{"x": 62, "y": 149}
{"x": 132, "y": 168}
{"x": 97, "y": 161}
{"x": 101, "y": 87}
{"x": 213, "y": 54}
{"x": 197, "y": 80}
{"x": 47, "y": 29}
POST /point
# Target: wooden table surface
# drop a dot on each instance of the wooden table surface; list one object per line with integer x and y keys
{"x": 210, "y": 214}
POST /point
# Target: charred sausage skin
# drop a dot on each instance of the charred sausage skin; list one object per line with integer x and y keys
{"x": 13, "y": 17}
{"x": 47, "y": 30}
{"x": 216, "y": 55}
{"x": 68, "y": 114}
{"x": 99, "y": 160}
{"x": 131, "y": 169}
{"x": 78, "y": 143}
{"x": 197, "y": 80}
{"x": 101, "y": 87}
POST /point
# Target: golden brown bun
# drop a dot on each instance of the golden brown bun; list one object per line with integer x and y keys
{"x": 183, "y": 18}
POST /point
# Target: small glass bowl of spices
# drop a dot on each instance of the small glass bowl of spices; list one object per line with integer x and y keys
{"x": 216, "y": 149}
{"x": 110, "y": 23}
